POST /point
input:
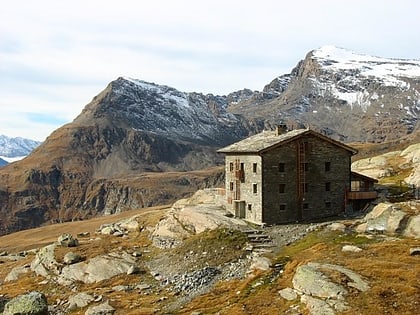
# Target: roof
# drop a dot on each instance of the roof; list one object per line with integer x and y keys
{"x": 267, "y": 140}
{"x": 356, "y": 176}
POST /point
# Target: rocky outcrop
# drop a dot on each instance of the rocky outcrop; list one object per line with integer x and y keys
{"x": 314, "y": 284}
{"x": 203, "y": 211}
{"x": 33, "y": 303}
{"x": 392, "y": 219}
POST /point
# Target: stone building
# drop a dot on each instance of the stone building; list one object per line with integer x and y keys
{"x": 279, "y": 176}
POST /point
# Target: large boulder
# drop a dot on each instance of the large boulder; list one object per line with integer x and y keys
{"x": 45, "y": 263}
{"x": 393, "y": 219}
{"x": 98, "y": 268}
{"x": 318, "y": 290}
{"x": 33, "y": 303}
{"x": 205, "y": 210}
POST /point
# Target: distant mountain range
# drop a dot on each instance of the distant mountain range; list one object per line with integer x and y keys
{"x": 96, "y": 164}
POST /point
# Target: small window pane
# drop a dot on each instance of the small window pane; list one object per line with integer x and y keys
{"x": 327, "y": 166}
{"x": 282, "y": 207}
{"x": 282, "y": 188}
{"x": 327, "y": 186}
{"x": 254, "y": 167}
{"x": 254, "y": 188}
{"x": 282, "y": 167}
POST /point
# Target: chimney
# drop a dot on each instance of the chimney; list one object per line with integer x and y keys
{"x": 281, "y": 129}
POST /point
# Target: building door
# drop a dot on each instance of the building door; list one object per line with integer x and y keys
{"x": 240, "y": 209}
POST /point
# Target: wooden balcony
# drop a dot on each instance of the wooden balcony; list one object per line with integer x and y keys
{"x": 360, "y": 195}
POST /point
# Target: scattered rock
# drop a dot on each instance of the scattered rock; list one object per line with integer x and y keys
{"x": 133, "y": 270}
{"x": 44, "y": 262}
{"x": 336, "y": 226}
{"x": 80, "y": 300}
{"x": 143, "y": 286}
{"x": 351, "y": 248}
{"x": 4, "y": 253}
{"x": 288, "y": 294}
{"x": 122, "y": 288}
{"x": 67, "y": 240}
{"x": 320, "y": 294}
{"x": 101, "y": 309}
{"x": 413, "y": 227}
{"x": 98, "y": 268}
{"x": 71, "y": 258}
{"x": 414, "y": 251}
{"x": 16, "y": 272}
{"x": 33, "y": 303}
{"x": 260, "y": 263}
{"x": 316, "y": 306}
{"x": 83, "y": 234}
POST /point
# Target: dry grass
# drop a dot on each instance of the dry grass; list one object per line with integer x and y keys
{"x": 385, "y": 263}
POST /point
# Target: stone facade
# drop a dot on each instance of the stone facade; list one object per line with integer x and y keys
{"x": 300, "y": 178}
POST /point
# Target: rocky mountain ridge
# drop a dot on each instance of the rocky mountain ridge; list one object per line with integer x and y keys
{"x": 96, "y": 164}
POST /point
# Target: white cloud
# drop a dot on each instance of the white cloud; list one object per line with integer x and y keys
{"x": 55, "y": 56}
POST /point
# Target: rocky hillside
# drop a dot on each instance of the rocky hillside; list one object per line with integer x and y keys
{"x": 348, "y": 96}
{"x": 95, "y": 164}
{"x": 194, "y": 259}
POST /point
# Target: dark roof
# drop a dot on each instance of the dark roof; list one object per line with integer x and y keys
{"x": 267, "y": 140}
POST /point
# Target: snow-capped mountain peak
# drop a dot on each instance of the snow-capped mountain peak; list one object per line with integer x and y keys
{"x": 13, "y": 149}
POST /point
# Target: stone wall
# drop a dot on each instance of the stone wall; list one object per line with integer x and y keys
{"x": 325, "y": 189}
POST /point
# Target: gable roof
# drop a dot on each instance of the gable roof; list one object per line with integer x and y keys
{"x": 268, "y": 140}
{"x": 358, "y": 176}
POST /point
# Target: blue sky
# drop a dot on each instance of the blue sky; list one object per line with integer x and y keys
{"x": 55, "y": 56}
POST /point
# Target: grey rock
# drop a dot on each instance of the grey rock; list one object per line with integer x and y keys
{"x": 71, "y": 258}
{"x": 44, "y": 262}
{"x": 288, "y": 294}
{"x": 33, "y": 303}
{"x": 97, "y": 269}
{"x": 413, "y": 227}
{"x": 16, "y": 272}
{"x": 143, "y": 286}
{"x": 122, "y": 288}
{"x": 336, "y": 226}
{"x": 316, "y": 306}
{"x": 309, "y": 280}
{"x": 67, "y": 240}
{"x": 101, "y": 309}
{"x": 133, "y": 270}
{"x": 351, "y": 248}
{"x": 80, "y": 300}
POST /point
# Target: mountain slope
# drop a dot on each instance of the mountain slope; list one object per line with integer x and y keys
{"x": 348, "y": 96}
{"x": 96, "y": 165}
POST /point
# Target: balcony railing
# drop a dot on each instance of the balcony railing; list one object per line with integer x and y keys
{"x": 353, "y": 195}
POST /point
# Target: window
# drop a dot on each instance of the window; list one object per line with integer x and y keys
{"x": 327, "y": 205}
{"x": 327, "y": 186}
{"x": 249, "y": 207}
{"x": 327, "y": 166}
{"x": 242, "y": 173}
{"x": 305, "y": 206}
{"x": 282, "y": 188}
{"x": 254, "y": 188}
{"x": 231, "y": 166}
{"x": 231, "y": 186}
{"x": 254, "y": 167}
{"x": 282, "y": 167}
{"x": 282, "y": 207}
